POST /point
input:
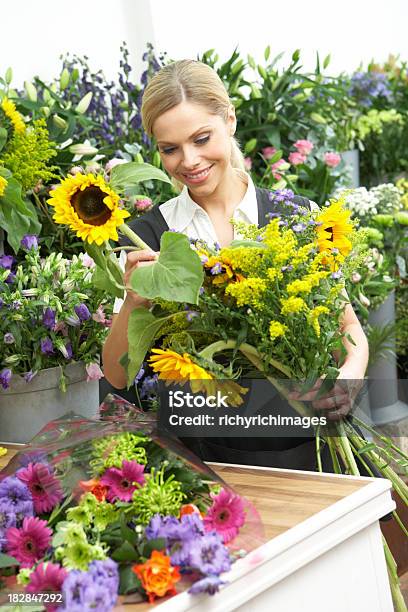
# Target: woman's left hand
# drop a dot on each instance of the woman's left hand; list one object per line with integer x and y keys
{"x": 340, "y": 399}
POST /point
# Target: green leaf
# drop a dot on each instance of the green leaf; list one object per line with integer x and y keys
{"x": 247, "y": 243}
{"x": 129, "y": 175}
{"x": 177, "y": 275}
{"x": 151, "y": 545}
{"x": 129, "y": 582}
{"x": 125, "y": 552}
{"x": 16, "y": 217}
{"x": 7, "y": 561}
{"x": 107, "y": 274}
{"x": 142, "y": 329}
{"x": 128, "y": 534}
{"x": 3, "y": 137}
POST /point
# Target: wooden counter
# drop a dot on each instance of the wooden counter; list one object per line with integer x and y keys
{"x": 324, "y": 549}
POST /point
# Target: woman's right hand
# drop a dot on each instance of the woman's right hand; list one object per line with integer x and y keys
{"x": 134, "y": 260}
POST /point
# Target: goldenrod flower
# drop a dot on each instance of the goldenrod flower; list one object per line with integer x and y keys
{"x": 174, "y": 367}
{"x": 248, "y": 291}
{"x": 3, "y": 185}
{"x": 313, "y": 317}
{"x": 292, "y": 305}
{"x": 220, "y": 267}
{"x": 89, "y": 206}
{"x": 277, "y": 329}
{"x": 334, "y": 229}
{"x": 16, "y": 119}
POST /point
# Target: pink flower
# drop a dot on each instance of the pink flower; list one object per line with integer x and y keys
{"x": 45, "y": 489}
{"x": 226, "y": 515}
{"x": 115, "y": 161}
{"x": 276, "y": 175}
{"x": 248, "y": 163}
{"x": 86, "y": 260}
{"x": 304, "y": 147}
{"x": 29, "y": 543}
{"x": 47, "y": 578}
{"x": 332, "y": 159}
{"x": 94, "y": 372}
{"x": 296, "y": 158}
{"x": 122, "y": 483}
{"x": 99, "y": 315}
{"x": 143, "y": 204}
{"x": 268, "y": 152}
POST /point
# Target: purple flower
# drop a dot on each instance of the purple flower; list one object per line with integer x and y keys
{"x": 82, "y": 312}
{"x": 161, "y": 527}
{"x": 15, "y": 491}
{"x": 29, "y": 242}
{"x": 139, "y": 375}
{"x": 149, "y": 387}
{"x": 299, "y": 227}
{"x": 190, "y": 315}
{"x": 15, "y": 305}
{"x": 5, "y": 377}
{"x": 106, "y": 573}
{"x": 95, "y": 589}
{"x": 73, "y": 321}
{"x": 48, "y": 318}
{"x": 6, "y": 262}
{"x": 201, "y": 291}
{"x": 209, "y": 555}
{"x": 209, "y": 584}
{"x": 7, "y": 514}
{"x": 337, "y": 274}
{"x": 10, "y": 278}
{"x": 23, "y": 509}
{"x": 28, "y": 376}
{"x": 47, "y": 347}
{"x": 68, "y": 348}
{"x": 216, "y": 269}
{"x": 9, "y": 338}
{"x": 1, "y": 303}
{"x": 286, "y": 268}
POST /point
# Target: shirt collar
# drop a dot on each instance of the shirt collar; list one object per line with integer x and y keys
{"x": 187, "y": 209}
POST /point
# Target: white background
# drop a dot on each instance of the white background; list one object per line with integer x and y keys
{"x": 34, "y": 33}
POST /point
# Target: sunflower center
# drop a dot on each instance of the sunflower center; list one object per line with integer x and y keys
{"x": 90, "y": 207}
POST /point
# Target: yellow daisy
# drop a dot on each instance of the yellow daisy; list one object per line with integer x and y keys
{"x": 177, "y": 368}
{"x": 3, "y": 185}
{"x": 16, "y": 119}
{"x": 89, "y": 206}
{"x": 334, "y": 229}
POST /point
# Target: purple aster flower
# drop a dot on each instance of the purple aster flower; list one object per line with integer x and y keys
{"x": 1, "y": 303}
{"x": 15, "y": 491}
{"x": 7, "y": 514}
{"x": 10, "y": 278}
{"x": 28, "y": 376}
{"x": 216, "y": 269}
{"x": 337, "y": 274}
{"x": 16, "y": 305}
{"x": 82, "y": 312}
{"x": 286, "y": 268}
{"x": 29, "y": 242}
{"x": 312, "y": 222}
{"x": 190, "y": 315}
{"x": 209, "y": 555}
{"x": 149, "y": 387}
{"x": 272, "y": 215}
{"x": 9, "y": 338}
{"x": 5, "y": 377}
{"x": 209, "y": 584}
{"x": 299, "y": 227}
{"x": 217, "y": 246}
{"x": 47, "y": 347}
{"x": 48, "y": 318}
{"x": 201, "y": 291}
{"x": 6, "y": 262}
{"x": 139, "y": 375}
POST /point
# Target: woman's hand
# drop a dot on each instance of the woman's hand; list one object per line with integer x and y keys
{"x": 340, "y": 399}
{"x": 134, "y": 260}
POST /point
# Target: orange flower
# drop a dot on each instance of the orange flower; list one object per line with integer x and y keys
{"x": 93, "y": 486}
{"x": 157, "y": 575}
{"x": 189, "y": 509}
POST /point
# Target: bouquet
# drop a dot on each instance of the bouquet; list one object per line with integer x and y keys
{"x": 95, "y": 508}
{"x": 51, "y": 314}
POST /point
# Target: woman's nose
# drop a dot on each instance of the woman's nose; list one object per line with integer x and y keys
{"x": 191, "y": 158}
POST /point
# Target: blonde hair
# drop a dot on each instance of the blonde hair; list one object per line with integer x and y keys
{"x": 192, "y": 81}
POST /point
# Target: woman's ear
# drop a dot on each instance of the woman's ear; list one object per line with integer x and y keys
{"x": 232, "y": 120}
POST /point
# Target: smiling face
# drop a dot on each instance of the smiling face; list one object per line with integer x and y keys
{"x": 195, "y": 146}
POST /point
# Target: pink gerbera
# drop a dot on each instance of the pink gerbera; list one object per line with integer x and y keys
{"x": 122, "y": 483}
{"x": 226, "y": 515}
{"x": 45, "y": 489}
{"x": 29, "y": 543}
{"x": 47, "y": 578}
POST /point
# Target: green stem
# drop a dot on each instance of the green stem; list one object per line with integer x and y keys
{"x": 384, "y": 439}
{"x": 399, "y": 603}
{"x": 126, "y": 231}
{"x": 318, "y": 455}
{"x": 334, "y": 458}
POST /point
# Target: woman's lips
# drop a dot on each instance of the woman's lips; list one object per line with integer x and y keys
{"x": 197, "y": 177}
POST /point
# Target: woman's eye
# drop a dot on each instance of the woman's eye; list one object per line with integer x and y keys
{"x": 202, "y": 140}
{"x": 168, "y": 150}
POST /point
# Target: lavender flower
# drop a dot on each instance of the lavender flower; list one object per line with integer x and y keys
{"x": 82, "y": 312}
{"x": 23, "y": 509}
{"x": 29, "y": 242}
{"x": 367, "y": 86}
{"x": 106, "y": 573}
{"x": 47, "y": 347}
{"x": 5, "y": 377}
{"x": 9, "y": 338}
{"x": 7, "y": 514}
{"x": 6, "y": 262}
{"x": 48, "y": 319}
{"x": 94, "y": 590}
{"x": 15, "y": 491}
{"x": 209, "y": 555}
{"x": 209, "y": 584}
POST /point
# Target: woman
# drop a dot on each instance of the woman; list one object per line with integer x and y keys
{"x": 187, "y": 110}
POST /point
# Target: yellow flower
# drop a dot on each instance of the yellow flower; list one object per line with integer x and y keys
{"x": 277, "y": 329}
{"x": 3, "y": 451}
{"x": 174, "y": 367}
{"x": 16, "y": 119}
{"x": 334, "y": 229}
{"x": 299, "y": 286}
{"x": 246, "y": 260}
{"x": 292, "y": 305}
{"x": 248, "y": 291}
{"x": 313, "y": 317}
{"x": 274, "y": 273}
{"x": 221, "y": 268}
{"x": 3, "y": 185}
{"x": 89, "y": 206}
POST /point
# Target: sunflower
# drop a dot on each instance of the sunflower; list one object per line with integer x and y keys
{"x": 89, "y": 206}
{"x": 3, "y": 185}
{"x": 334, "y": 228}
{"x": 16, "y": 119}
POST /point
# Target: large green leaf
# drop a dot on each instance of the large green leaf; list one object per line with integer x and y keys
{"x": 107, "y": 274}
{"x": 177, "y": 275}
{"x": 142, "y": 329}
{"x": 7, "y": 561}
{"x": 16, "y": 217}
{"x": 3, "y": 137}
{"x": 132, "y": 173}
